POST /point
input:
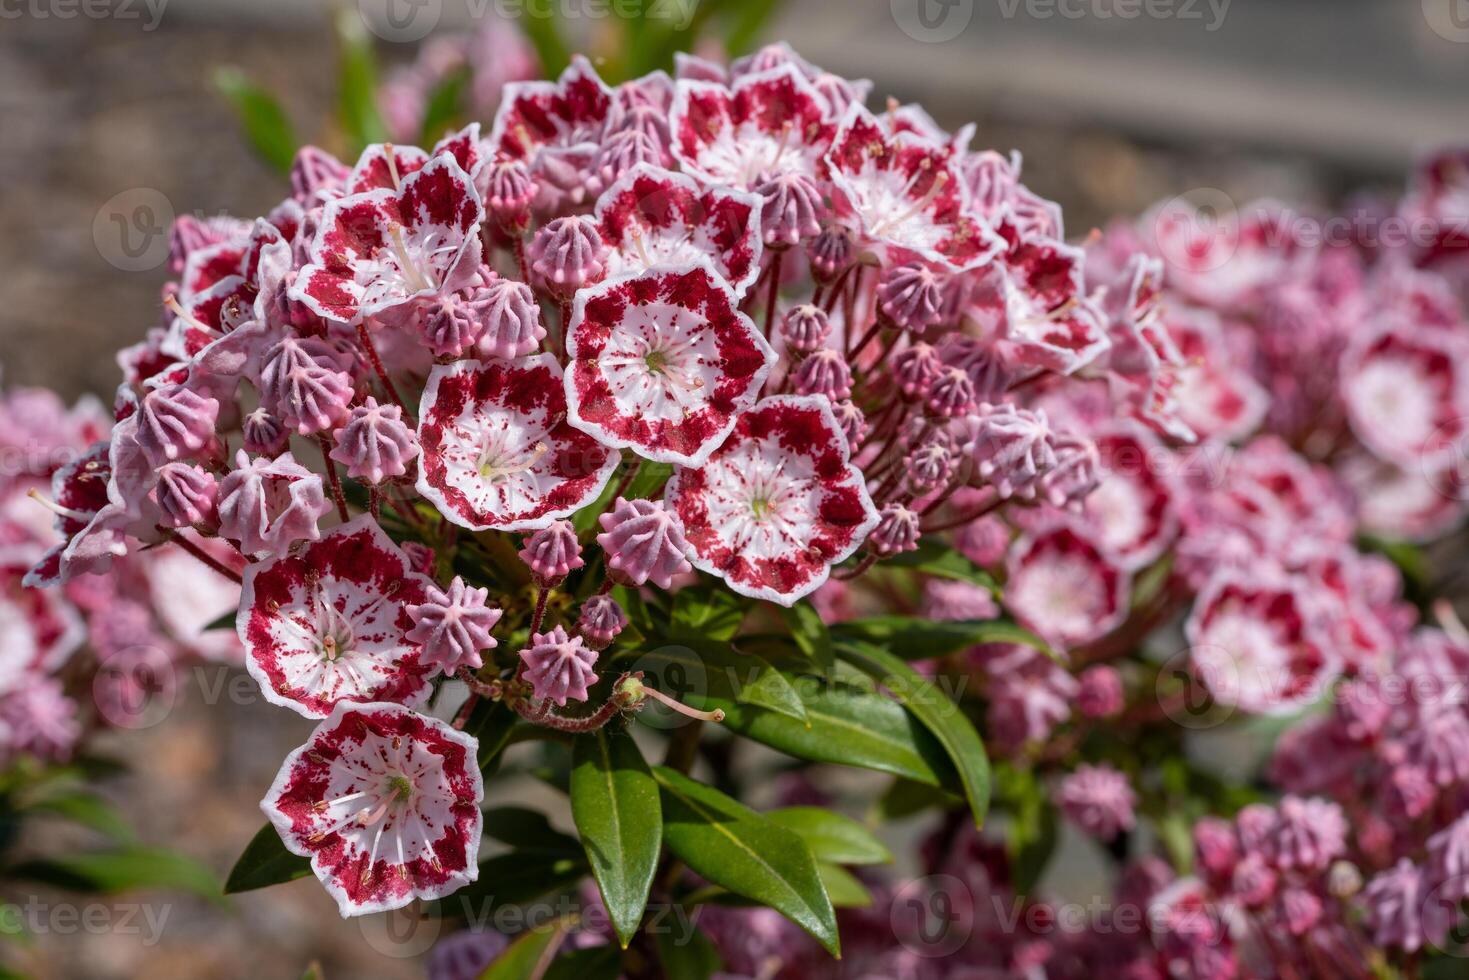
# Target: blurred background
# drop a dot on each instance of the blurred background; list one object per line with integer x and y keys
{"x": 112, "y": 110}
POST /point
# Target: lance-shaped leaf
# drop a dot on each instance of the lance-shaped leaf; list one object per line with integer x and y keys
{"x": 938, "y": 713}
{"x": 831, "y": 836}
{"x": 910, "y": 638}
{"x": 615, "y": 804}
{"x": 736, "y": 848}
{"x": 265, "y": 862}
{"x": 530, "y": 956}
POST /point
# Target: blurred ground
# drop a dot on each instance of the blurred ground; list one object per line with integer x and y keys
{"x": 1306, "y": 103}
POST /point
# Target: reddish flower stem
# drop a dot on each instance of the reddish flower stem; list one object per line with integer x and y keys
{"x": 773, "y": 295}
{"x": 334, "y": 477}
{"x": 377, "y": 367}
{"x": 206, "y": 558}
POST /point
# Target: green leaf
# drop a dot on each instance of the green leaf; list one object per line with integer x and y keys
{"x": 443, "y": 107}
{"x": 313, "y": 972}
{"x": 912, "y": 638}
{"x": 615, "y": 803}
{"x": 597, "y": 963}
{"x": 1033, "y": 830}
{"x": 530, "y": 956}
{"x": 687, "y": 957}
{"x": 738, "y": 849}
{"x": 266, "y": 125}
{"x": 831, "y": 836}
{"x": 938, "y": 713}
{"x": 706, "y": 613}
{"x": 844, "y": 725}
{"x": 88, "y": 810}
{"x": 810, "y": 632}
{"x": 120, "y": 869}
{"x": 225, "y": 622}
{"x": 265, "y": 862}
{"x": 357, "y": 82}
{"x": 523, "y": 827}
{"x": 846, "y": 891}
{"x": 905, "y": 798}
{"x": 935, "y": 556}
{"x": 771, "y": 689}
{"x": 749, "y": 21}
{"x": 492, "y": 723}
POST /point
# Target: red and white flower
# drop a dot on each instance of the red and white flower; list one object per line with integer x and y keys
{"x": 385, "y": 803}
{"x": 1131, "y": 510}
{"x": 567, "y": 115}
{"x": 1254, "y": 645}
{"x": 383, "y": 248}
{"x": 329, "y": 624}
{"x": 655, "y": 217}
{"x": 765, "y": 124}
{"x": 497, "y": 451}
{"x": 778, "y": 503}
{"x": 906, "y": 196}
{"x": 1065, "y": 586}
{"x": 663, "y": 362}
{"x": 1406, "y": 391}
{"x": 1212, "y": 396}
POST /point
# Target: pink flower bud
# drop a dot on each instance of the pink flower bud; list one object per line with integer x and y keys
{"x": 805, "y": 328}
{"x": 910, "y": 296}
{"x": 264, "y": 434}
{"x": 305, "y": 382}
{"x": 1100, "y": 695}
{"x": 267, "y": 505}
{"x": 853, "y": 422}
{"x": 316, "y": 175}
{"x": 791, "y": 204}
{"x": 622, "y": 151}
{"x": 552, "y": 552}
{"x": 831, "y": 253}
{"x": 825, "y": 373}
{"x": 1012, "y": 447}
{"x": 600, "y": 621}
{"x": 567, "y": 254}
{"x": 896, "y": 531}
{"x": 559, "y": 667}
{"x": 509, "y": 191}
{"x": 644, "y": 541}
{"x": 928, "y": 468}
{"x": 510, "y": 319}
{"x": 448, "y": 326}
{"x": 1076, "y": 473}
{"x": 950, "y": 395}
{"x": 375, "y": 444}
{"x": 186, "y": 494}
{"x": 175, "y": 423}
{"x": 454, "y": 626}
{"x": 915, "y": 367}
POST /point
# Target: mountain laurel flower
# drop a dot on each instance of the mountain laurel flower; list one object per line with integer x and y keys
{"x": 831, "y": 253}
{"x": 910, "y": 297}
{"x": 509, "y": 191}
{"x": 827, "y": 373}
{"x": 568, "y": 254}
{"x": 851, "y": 420}
{"x": 551, "y": 552}
{"x": 559, "y": 667}
{"x": 1098, "y": 800}
{"x": 267, "y": 505}
{"x": 805, "y": 328}
{"x": 264, "y": 434}
{"x": 304, "y": 383}
{"x": 375, "y": 444}
{"x": 950, "y": 395}
{"x": 1101, "y": 694}
{"x": 928, "y": 468}
{"x": 186, "y": 494}
{"x": 915, "y": 367}
{"x": 896, "y": 531}
{"x": 448, "y": 327}
{"x": 600, "y": 621}
{"x": 509, "y": 318}
{"x": 1012, "y": 448}
{"x": 175, "y": 423}
{"x": 791, "y": 206}
{"x": 454, "y": 626}
{"x": 644, "y": 542}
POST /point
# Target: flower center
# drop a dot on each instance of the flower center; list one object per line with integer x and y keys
{"x": 656, "y": 360}
{"x": 497, "y": 461}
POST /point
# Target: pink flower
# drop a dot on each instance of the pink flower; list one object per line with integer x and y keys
{"x": 37, "y": 718}
{"x": 643, "y": 541}
{"x": 825, "y": 373}
{"x": 656, "y": 218}
{"x": 453, "y": 626}
{"x": 1309, "y": 834}
{"x": 1011, "y": 448}
{"x": 567, "y": 253}
{"x": 805, "y": 328}
{"x": 1063, "y": 585}
{"x": 1255, "y": 646}
{"x": 551, "y": 552}
{"x": 384, "y": 248}
{"x": 1403, "y": 910}
{"x": 910, "y": 296}
{"x": 558, "y": 666}
{"x": 945, "y": 600}
{"x": 766, "y": 124}
{"x": 186, "y": 494}
{"x": 896, "y": 532}
{"x": 601, "y": 620}
{"x": 175, "y": 423}
{"x": 790, "y": 210}
{"x": 906, "y": 196}
{"x": 545, "y": 121}
{"x": 385, "y": 803}
{"x": 1132, "y": 509}
{"x": 267, "y": 505}
{"x": 330, "y": 624}
{"x": 663, "y": 363}
{"x": 777, "y": 504}
{"x": 305, "y": 382}
{"x": 1101, "y": 694}
{"x": 1030, "y": 694}
{"x": 509, "y": 317}
{"x": 375, "y": 444}
{"x": 497, "y": 451}
{"x": 1407, "y": 392}
{"x": 1099, "y": 800}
